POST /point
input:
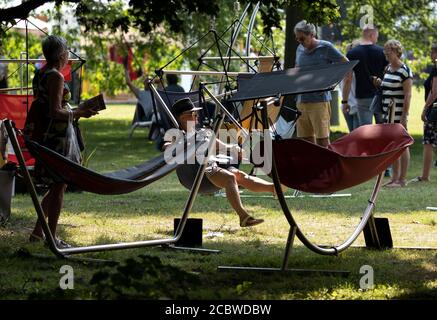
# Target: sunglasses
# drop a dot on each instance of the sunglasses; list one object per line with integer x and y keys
{"x": 190, "y": 113}
{"x": 300, "y": 39}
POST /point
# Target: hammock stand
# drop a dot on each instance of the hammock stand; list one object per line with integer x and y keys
{"x": 367, "y": 220}
{"x": 66, "y": 252}
{"x": 292, "y": 83}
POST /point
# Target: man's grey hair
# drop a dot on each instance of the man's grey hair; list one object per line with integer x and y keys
{"x": 53, "y": 47}
{"x": 305, "y": 27}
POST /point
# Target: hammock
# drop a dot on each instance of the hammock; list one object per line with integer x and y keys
{"x": 119, "y": 182}
{"x": 349, "y": 161}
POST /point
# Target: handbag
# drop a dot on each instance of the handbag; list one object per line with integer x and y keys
{"x": 78, "y": 135}
{"x": 431, "y": 113}
{"x": 71, "y": 147}
{"x": 376, "y": 104}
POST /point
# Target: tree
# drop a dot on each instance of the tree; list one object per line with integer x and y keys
{"x": 163, "y": 28}
{"x": 23, "y": 10}
{"x": 413, "y": 23}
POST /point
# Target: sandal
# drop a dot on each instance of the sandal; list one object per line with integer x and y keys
{"x": 417, "y": 179}
{"x": 395, "y": 185}
{"x": 250, "y": 222}
{"x": 387, "y": 183}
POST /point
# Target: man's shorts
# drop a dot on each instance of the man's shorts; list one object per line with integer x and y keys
{"x": 315, "y": 119}
{"x": 430, "y": 133}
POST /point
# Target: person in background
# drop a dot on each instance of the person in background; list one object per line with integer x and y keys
{"x": 429, "y": 128}
{"x": 144, "y": 96}
{"x": 372, "y": 63}
{"x": 47, "y": 123}
{"x": 3, "y": 71}
{"x": 350, "y": 110}
{"x": 396, "y": 92}
{"x": 172, "y": 83}
{"x": 314, "y": 123}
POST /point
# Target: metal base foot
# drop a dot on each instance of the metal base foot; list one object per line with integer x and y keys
{"x": 196, "y": 250}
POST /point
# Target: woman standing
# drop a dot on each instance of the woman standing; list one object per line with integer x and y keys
{"x": 429, "y": 128}
{"x": 47, "y": 123}
{"x": 396, "y": 92}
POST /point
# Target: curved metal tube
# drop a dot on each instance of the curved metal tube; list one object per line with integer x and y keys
{"x": 234, "y": 39}
{"x": 313, "y": 247}
{"x": 250, "y": 29}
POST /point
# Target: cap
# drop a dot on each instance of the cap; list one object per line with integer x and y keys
{"x": 183, "y": 105}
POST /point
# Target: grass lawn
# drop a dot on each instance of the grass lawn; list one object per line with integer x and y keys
{"x": 149, "y": 213}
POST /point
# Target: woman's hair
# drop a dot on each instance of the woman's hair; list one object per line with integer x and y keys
{"x": 53, "y": 47}
{"x": 434, "y": 47}
{"x": 394, "y": 45}
{"x": 305, "y": 27}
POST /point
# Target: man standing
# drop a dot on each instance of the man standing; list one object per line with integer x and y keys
{"x": 371, "y": 64}
{"x": 314, "y": 124}
{"x": 3, "y": 72}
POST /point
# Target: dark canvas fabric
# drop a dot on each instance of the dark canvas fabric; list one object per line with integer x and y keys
{"x": 291, "y": 81}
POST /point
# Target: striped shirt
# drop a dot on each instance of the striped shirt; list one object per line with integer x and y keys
{"x": 392, "y": 88}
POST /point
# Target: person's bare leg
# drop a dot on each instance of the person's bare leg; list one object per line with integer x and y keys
{"x": 227, "y": 180}
{"x": 37, "y": 230}
{"x": 324, "y": 142}
{"x": 396, "y": 171}
{"x": 56, "y": 206}
{"x": 51, "y": 205}
{"x": 252, "y": 183}
{"x": 427, "y": 162}
{"x": 404, "y": 164}
{"x": 310, "y": 139}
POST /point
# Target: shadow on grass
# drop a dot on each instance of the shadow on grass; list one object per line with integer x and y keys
{"x": 398, "y": 274}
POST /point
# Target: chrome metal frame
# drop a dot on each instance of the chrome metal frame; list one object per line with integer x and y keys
{"x": 295, "y": 231}
{"x": 204, "y": 73}
{"x": 237, "y": 58}
{"x": 33, "y": 60}
{"x": 63, "y": 253}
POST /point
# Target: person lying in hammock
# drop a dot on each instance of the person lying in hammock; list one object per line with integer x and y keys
{"x": 229, "y": 178}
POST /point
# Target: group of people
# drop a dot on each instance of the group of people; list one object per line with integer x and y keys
{"x": 378, "y": 69}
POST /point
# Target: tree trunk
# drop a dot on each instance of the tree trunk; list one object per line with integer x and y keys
{"x": 293, "y": 15}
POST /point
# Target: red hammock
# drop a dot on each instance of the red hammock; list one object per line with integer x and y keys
{"x": 347, "y": 162}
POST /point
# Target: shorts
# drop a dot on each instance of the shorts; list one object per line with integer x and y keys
{"x": 430, "y": 133}
{"x": 315, "y": 119}
{"x": 213, "y": 168}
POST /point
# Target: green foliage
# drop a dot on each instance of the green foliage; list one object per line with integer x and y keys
{"x": 413, "y": 23}
{"x": 13, "y": 44}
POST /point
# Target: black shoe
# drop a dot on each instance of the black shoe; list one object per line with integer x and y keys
{"x": 61, "y": 244}
{"x": 435, "y": 164}
{"x": 387, "y": 173}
